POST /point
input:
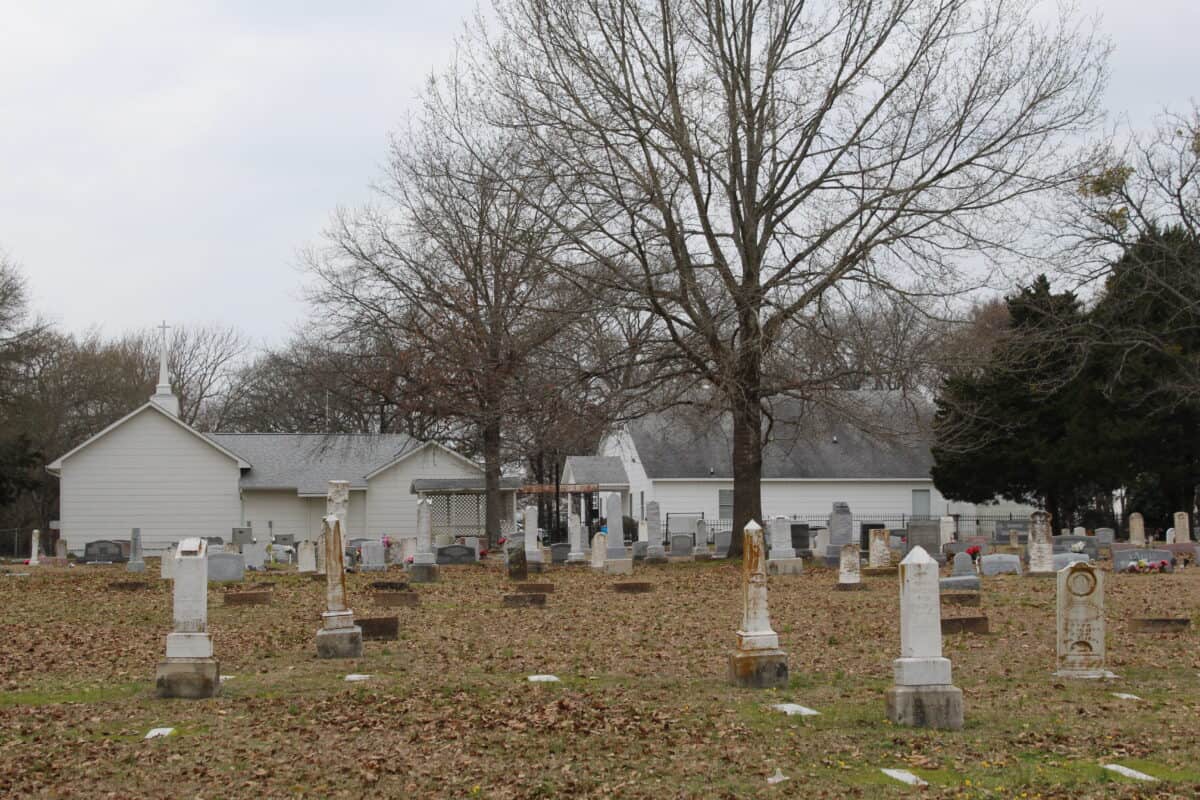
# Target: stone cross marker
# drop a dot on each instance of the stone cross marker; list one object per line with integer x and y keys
{"x": 656, "y": 552}
{"x": 136, "y": 562}
{"x": 424, "y": 567}
{"x": 924, "y": 695}
{"x": 758, "y": 661}
{"x": 1183, "y": 533}
{"x": 35, "y": 548}
{"x": 189, "y": 669}
{"x": 575, "y": 536}
{"x": 1041, "y": 544}
{"x": 533, "y": 548}
{"x": 849, "y": 566}
{"x": 879, "y": 554}
{"x": 338, "y": 637}
{"x": 306, "y": 556}
{"x": 1080, "y": 620}
{"x": 1137, "y": 530}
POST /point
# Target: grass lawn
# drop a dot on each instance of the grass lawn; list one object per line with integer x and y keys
{"x": 643, "y": 708}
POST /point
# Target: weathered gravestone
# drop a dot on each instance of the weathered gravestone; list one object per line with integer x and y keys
{"x": 254, "y": 555}
{"x": 456, "y": 554}
{"x": 1137, "y": 530}
{"x": 306, "y": 557}
{"x": 1080, "y": 621}
{"x": 518, "y": 568}
{"x": 701, "y": 552}
{"x": 758, "y": 662}
{"x": 1122, "y": 559}
{"x": 1076, "y": 544}
{"x": 616, "y": 561}
{"x": 379, "y": 628}
{"x": 1041, "y": 544}
{"x": 783, "y": 560}
{"x": 1079, "y": 530}
{"x": 474, "y": 543}
{"x": 102, "y": 551}
{"x": 166, "y": 564}
{"x": 575, "y": 539}
{"x": 1003, "y": 528}
{"x": 879, "y": 551}
{"x": 841, "y": 532}
{"x": 802, "y": 539}
{"x": 60, "y": 548}
{"x": 656, "y": 552}
{"x": 136, "y": 562}
{"x": 599, "y": 545}
{"x": 223, "y": 567}
{"x": 374, "y": 557}
{"x": 559, "y": 553}
{"x": 1105, "y": 537}
{"x": 189, "y": 669}
{"x": 681, "y": 545}
{"x": 999, "y": 564}
{"x": 948, "y": 528}
{"x": 1183, "y": 530}
{"x": 850, "y": 568}
{"x": 721, "y": 542}
{"x": 1062, "y": 560}
{"x": 924, "y": 694}
{"x": 533, "y": 547}
{"x": 963, "y": 578}
{"x": 338, "y": 637}
{"x": 424, "y": 567}
{"x": 927, "y": 535}
{"x": 241, "y": 536}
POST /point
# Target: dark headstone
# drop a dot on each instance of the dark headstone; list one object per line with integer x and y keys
{"x": 633, "y": 587}
{"x": 1159, "y": 625}
{"x": 455, "y": 554}
{"x": 395, "y": 599}
{"x": 1000, "y": 533}
{"x": 964, "y": 625}
{"x": 801, "y": 536}
{"x": 927, "y": 534}
{"x": 241, "y": 536}
{"x": 518, "y": 570}
{"x": 379, "y": 628}
{"x": 524, "y": 600}
{"x": 960, "y": 598}
{"x": 102, "y": 551}
{"x": 559, "y": 552}
{"x": 639, "y": 550}
{"x": 260, "y": 598}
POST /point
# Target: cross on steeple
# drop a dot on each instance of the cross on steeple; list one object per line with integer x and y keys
{"x": 164, "y": 380}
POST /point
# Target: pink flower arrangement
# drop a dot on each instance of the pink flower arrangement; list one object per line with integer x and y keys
{"x": 1148, "y": 566}
{"x": 503, "y": 541}
{"x": 408, "y": 560}
{"x": 386, "y": 540}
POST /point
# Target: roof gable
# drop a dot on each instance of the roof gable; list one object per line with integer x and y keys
{"x": 420, "y": 449}
{"x": 55, "y": 466}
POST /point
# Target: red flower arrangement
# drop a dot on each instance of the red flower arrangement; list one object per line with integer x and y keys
{"x": 503, "y": 541}
{"x": 483, "y": 553}
{"x": 1145, "y": 566}
{"x": 973, "y": 551}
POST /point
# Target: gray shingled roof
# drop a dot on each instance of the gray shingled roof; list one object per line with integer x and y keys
{"x": 600, "y": 470}
{"x": 306, "y": 462}
{"x": 878, "y": 436}
{"x": 461, "y": 485}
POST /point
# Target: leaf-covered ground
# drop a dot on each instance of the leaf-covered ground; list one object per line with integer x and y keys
{"x": 643, "y": 709}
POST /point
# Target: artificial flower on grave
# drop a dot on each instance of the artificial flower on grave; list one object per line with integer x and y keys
{"x": 973, "y": 551}
{"x": 408, "y": 560}
{"x": 1077, "y": 547}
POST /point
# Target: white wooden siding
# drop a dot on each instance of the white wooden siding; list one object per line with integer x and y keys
{"x": 391, "y": 508}
{"x": 148, "y": 473}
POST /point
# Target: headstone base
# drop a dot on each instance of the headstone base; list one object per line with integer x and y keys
{"x": 135, "y": 566}
{"x": 618, "y": 566}
{"x": 340, "y": 643}
{"x": 785, "y": 566}
{"x": 702, "y": 555}
{"x": 1085, "y": 674}
{"x": 938, "y": 707}
{"x": 189, "y": 678}
{"x": 850, "y": 587}
{"x": 423, "y": 573}
{"x": 758, "y": 669}
{"x": 1032, "y": 574}
{"x": 639, "y": 550}
{"x": 372, "y": 567}
{"x": 536, "y": 567}
{"x": 576, "y": 559}
{"x": 659, "y": 559}
{"x": 879, "y": 572}
{"x": 961, "y": 583}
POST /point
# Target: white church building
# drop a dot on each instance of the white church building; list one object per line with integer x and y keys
{"x": 150, "y": 470}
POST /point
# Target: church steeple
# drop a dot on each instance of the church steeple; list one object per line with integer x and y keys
{"x": 163, "y": 397}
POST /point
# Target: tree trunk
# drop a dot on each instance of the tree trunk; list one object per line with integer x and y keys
{"x": 491, "y": 471}
{"x": 747, "y": 470}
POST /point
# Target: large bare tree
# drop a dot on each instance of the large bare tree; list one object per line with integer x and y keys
{"x": 730, "y": 164}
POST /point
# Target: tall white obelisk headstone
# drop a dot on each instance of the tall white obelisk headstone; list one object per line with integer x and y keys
{"x": 338, "y": 637}
{"x": 758, "y": 662}
{"x": 424, "y": 567}
{"x": 189, "y": 669}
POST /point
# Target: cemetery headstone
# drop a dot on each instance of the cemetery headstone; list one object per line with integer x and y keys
{"x": 783, "y": 560}
{"x": 408, "y": 549}
{"x": 681, "y": 545}
{"x": 189, "y": 670}
{"x": 599, "y": 546}
{"x": 518, "y": 568}
{"x": 758, "y": 662}
{"x": 1183, "y": 530}
{"x": 656, "y": 552}
{"x": 841, "y": 531}
{"x": 338, "y": 637}
{"x": 136, "y": 562}
{"x": 1062, "y": 560}
{"x": 337, "y": 503}
{"x": 424, "y": 567}
{"x": 999, "y": 564}
{"x": 1137, "y": 530}
{"x": 1079, "y": 530}
{"x": 721, "y": 542}
{"x": 241, "y": 536}
{"x": 1041, "y": 544}
{"x": 35, "y": 548}
{"x": 374, "y": 557}
{"x": 879, "y": 552}
{"x": 850, "y": 568}
{"x": 254, "y": 555}
{"x": 306, "y": 556}
{"x": 60, "y": 548}
{"x": 1076, "y": 544}
{"x": 963, "y": 577}
{"x": 575, "y": 538}
{"x": 616, "y": 561}
{"x": 1105, "y": 537}
{"x": 926, "y": 534}
{"x": 452, "y": 554}
{"x": 924, "y": 695}
{"x": 224, "y": 567}
{"x": 1004, "y": 528}
{"x": 102, "y": 551}
{"x": 166, "y": 565}
{"x": 701, "y": 552}
{"x": 559, "y": 553}
{"x": 1122, "y": 559}
{"x": 1080, "y": 621}
{"x": 948, "y": 527}
{"x": 533, "y": 547}
{"x": 643, "y": 531}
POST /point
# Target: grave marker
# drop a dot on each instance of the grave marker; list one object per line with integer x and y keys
{"x": 615, "y": 519}
{"x": 963, "y": 578}
{"x": 374, "y": 557}
{"x": 879, "y": 551}
{"x": 758, "y": 661}
{"x": 841, "y": 531}
{"x": 599, "y": 545}
{"x": 533, "y": 548}
{"x": 1080, "y": 623}
{"x": 575, "y": 537}
{"x": 424, "y": 567}
{"x": 339, "y": 637}
{"x": 924, "y": 695}
{"x": 35, "y": 548}
{"x": 1137, "y": 530}
{"x": 1183, "y": 533}
{"x": 850, "y": 569}
{"x": 306, "y": 556}
{"x": 656, "y": 553}
{"x": 136, "y": 562}
{"x": 1041, "y": 544}
{"x": 783, "y": 560}
{"x": 189, "y": 669}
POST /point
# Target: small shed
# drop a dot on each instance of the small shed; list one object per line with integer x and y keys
{"x": 460, "y": 505}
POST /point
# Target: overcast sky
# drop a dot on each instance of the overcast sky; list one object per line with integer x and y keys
{"x": 170, "y": 159}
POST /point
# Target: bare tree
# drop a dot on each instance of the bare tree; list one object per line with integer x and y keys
{"x": 731, "y": 163}
{"x": 454, "y": 268}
